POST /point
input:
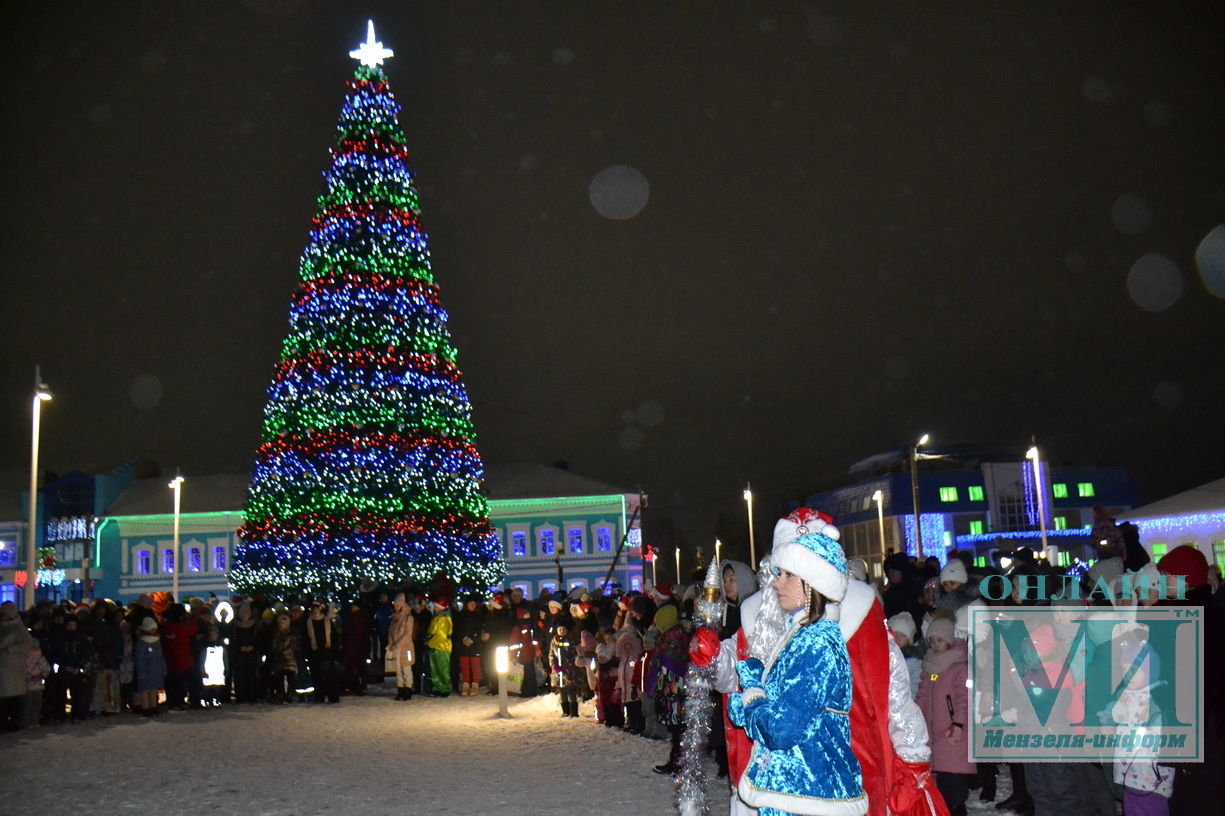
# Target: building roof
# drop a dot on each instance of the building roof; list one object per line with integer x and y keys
{"x": 528, "y": 480}
{"x": 1205, "y": 498}
{"x": 228, "y": 491}
{"x": 201, "y": 494}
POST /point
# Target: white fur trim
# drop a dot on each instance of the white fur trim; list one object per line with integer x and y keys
{"x": 821, "y": 575}
{"x": 855, "y": 607}
{"x": 751, "y": 695}
{"x": 797, "y": 803}
{"x": 748, "y": 611}
{"x": 786, "y": 530}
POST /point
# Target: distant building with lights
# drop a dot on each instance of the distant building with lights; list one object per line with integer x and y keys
{"x": 67, "y": 509}
{"x": 971, "y": 497}
{"x": 1195, "y": 517}
{"x": 557, "y": 529}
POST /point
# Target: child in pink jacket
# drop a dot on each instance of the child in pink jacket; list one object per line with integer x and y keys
{"x": 945, "y": 703}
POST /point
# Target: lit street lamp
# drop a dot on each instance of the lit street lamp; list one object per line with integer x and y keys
{"x": 176, "y": 484}
{"x": 914, "y": 491}
{"x": 748, "y": 500}
{"x": 879, "y": 498}
{"x": 41, "y": 395}
{"x": 1032, "y": 455}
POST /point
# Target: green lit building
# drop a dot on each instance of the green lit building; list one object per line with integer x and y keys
{"x": 557, "y": 530}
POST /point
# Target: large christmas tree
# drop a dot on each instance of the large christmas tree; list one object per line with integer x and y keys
{"x": 368, "y": 467}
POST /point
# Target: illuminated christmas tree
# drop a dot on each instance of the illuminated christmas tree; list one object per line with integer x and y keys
{"x": 368, "y": 466}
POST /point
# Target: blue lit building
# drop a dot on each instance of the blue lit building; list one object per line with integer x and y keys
{"x": 1195, "y": 517}
{"x": 971, "y": 498}
{"x": 66, "y": 507}
{"x": 557, "y": 529}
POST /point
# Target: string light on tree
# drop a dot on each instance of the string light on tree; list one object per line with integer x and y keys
{"x": 368, "y": 466}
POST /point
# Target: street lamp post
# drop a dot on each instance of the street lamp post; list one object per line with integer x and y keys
{"x": 748, "y": 500}
{"x": 879, "y": 498}
{"x": 41, "y": 395}
{"x": 914, "y": 491}
{"x": 678, "y": 566}
{"x": 1032, "y": 455}
{"x": 176, "y": 485}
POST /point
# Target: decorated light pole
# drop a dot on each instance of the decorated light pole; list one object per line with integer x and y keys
{"x": 699, "y": 702}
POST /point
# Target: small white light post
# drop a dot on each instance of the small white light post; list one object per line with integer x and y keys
{"x": 748, "y": 500}
{"x": 501, "y": 661}
{"x": 879, "y": 498}
{"x": 41, "y": 395}
{"x": 176, "y": 485}
{"x": 1033, "y": 456}
{"x": 914, "y": 493}
{"x": 678, "y": 566}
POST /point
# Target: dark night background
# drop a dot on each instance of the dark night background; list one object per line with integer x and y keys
{"x": 866, "y": 220}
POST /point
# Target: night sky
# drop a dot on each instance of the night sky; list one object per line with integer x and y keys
{"x": 863, "y": 221}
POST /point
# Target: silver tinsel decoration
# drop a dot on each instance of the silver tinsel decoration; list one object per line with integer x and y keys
{"x": 699, "y": 704}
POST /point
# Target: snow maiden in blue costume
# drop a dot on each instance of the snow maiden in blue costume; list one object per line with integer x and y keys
{"x": 795, "y": 705}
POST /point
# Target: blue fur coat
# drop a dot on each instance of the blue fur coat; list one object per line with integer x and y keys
{"x": 796, "y": 713}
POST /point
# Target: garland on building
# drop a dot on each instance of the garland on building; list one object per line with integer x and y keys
{"x": 368, "y": 467}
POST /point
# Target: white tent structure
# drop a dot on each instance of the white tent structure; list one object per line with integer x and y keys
{"x": 1195, "y": 517}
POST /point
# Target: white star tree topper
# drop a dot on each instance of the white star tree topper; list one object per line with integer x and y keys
{"x": 371, "y": 53}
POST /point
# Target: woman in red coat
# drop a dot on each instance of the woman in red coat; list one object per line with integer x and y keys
{"x": 178, "y": 633}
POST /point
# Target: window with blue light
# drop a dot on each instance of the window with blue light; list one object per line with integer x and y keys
{"x": 1061, "y": 522}
{"x": 1084, "y": 490}
{"x": 167, "y": 560}
{"x": 548, "y": 586}
{"x": 1059, "y": 490}
{"x": 976, "y": 528}
{"x": 8, "y": 554}
{"x": 548, "y": 542}
{"x": 603, "y": 539}
{"x": 518, "y": 544}
{"x": 948, "y": 494}
{"x": 575, "y": 536}
{"x": 144, "y": 562}
{"x": 219, "y": 559}
{"x": 195, "y": 559}
{"x": 976, "y": 492}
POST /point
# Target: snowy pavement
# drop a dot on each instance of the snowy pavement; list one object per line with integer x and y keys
{"x": 367, "y": 755}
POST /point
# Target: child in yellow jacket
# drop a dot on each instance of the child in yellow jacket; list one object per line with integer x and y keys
{"x": 439, "y": 643}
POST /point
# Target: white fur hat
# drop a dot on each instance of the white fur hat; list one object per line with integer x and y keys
{"x": 903, "y": 624}
{"x": 954, "y": 570}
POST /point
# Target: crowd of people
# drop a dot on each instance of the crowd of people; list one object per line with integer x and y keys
{"x": 877, "y": 742}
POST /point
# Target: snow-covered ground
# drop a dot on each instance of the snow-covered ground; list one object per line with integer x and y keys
{"x": 366, "y": 755}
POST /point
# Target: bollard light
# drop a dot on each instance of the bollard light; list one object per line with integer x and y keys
{"x": 501, "y": 662}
